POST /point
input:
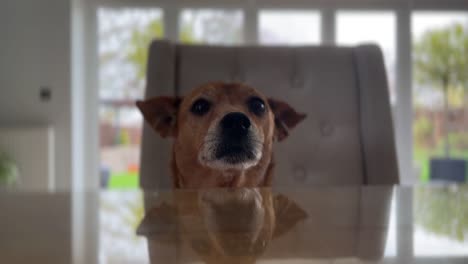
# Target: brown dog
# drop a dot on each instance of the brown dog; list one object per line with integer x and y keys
{"x": 223, "y": 134}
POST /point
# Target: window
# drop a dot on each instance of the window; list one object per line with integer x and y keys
{"x": 212, "y": 26}
{"x": 289, "y": 27}
{"x": 355, "y": 28}
{"x": 438, "y": 132}
{"x": 123, "y": 38}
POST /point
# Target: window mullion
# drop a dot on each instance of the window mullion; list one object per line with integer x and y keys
{"x": 328, "y": 30}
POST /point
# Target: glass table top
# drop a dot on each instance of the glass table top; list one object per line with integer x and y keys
{"x": 379, "y": 224}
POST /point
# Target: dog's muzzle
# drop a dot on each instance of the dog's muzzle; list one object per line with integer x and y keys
{"x": 233, "y": 143}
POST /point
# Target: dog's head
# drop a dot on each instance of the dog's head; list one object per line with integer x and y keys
{"x": 221, "y": 126}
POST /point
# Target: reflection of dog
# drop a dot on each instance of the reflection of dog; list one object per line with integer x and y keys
{"x": 223, "y": 134}
{"x": 221, "y": 226}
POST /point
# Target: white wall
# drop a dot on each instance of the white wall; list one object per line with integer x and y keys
{"x": 34, "y": 52}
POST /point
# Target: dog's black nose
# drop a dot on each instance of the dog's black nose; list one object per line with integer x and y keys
{"x": 235, "y": 124}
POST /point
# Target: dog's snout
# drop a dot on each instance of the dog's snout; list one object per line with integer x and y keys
{"x": 236, "y": 143}
{"x": 235, "y": 124}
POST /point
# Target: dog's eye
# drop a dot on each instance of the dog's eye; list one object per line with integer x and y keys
{"x": 200, "y": 107}
{"x": 256, "y": 106}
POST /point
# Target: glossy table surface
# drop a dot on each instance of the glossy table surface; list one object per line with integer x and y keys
{"x": 425, "y": 224}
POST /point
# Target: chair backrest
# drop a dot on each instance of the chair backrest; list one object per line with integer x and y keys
{"x": 347, "y": 137}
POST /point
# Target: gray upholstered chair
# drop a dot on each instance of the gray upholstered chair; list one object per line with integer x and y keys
{"x": 347, "y": 138}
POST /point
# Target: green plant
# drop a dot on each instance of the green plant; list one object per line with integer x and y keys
{"x": 8, "y": 171}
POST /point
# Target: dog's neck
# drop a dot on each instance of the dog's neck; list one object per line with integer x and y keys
{"x": 233, "y": 177}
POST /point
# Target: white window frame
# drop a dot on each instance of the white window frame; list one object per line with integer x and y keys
{"x": 85, "y": 72}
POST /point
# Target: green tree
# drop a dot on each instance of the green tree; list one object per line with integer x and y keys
{"x": 140, "y": 41}
{"x": 186, "y": 34}
{"x": 214, "y": 27}
{"x": 441, "y": 60}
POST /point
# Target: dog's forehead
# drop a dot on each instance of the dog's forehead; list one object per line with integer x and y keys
{"x": 223, "y": 91}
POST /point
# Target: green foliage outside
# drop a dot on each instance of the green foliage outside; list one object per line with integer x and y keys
{"x": 443, "y": 211}
{"x": 440, "y": 57}
{"x": 186, "y": 34}
{"x": 140, "y": 41}
{"x": 441, "y": 61}
{"x": 218, "y": 27}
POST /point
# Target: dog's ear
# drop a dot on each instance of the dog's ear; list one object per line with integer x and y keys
{"x": 161, "y": 113}
{"x": 160, "y": 224}
{"x": 287, "y": 215}
{"x": 286, "y": 118}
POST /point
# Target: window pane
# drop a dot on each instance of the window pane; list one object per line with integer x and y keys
{"x": 211, "y": 26}
{"x": 371, "y": 27}
{"x": 124, "y": 35}
{"x": 289, "y": 27}
{"x": 436, "y": 59}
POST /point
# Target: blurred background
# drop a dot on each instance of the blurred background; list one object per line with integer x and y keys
{"x": 72, "y": 70}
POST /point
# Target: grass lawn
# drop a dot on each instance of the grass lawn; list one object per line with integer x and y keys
{"x": 125, "y": 180}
